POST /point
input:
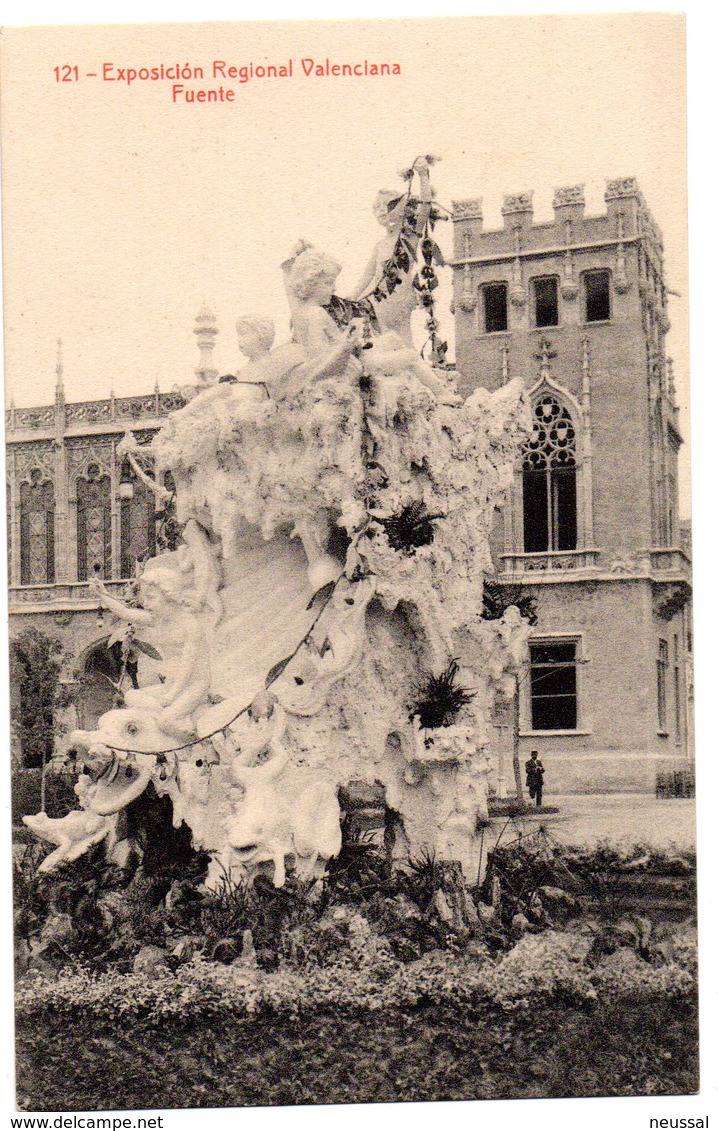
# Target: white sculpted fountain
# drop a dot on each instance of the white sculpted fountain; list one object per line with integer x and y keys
{"x": 335, "y": 507}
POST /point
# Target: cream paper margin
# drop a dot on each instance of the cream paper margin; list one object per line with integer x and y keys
{"x": 344, "y": 189}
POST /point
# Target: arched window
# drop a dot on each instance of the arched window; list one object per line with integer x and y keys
{"x": 137, "y": 522}
{"x": 94, "y": 538}
{"x": 37, "y": 531}
{"x": 549, "y": 480}
{"x": 8, "y": 531}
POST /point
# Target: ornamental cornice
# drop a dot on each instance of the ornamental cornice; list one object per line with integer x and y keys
{"x": 41, "y": 417}
{"x": 105, "y": 411}
{"x": 89, "y": 412}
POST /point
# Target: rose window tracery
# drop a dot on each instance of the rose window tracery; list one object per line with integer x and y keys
{"x": 553, "y": 440}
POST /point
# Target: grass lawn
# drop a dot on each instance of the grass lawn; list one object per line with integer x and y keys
{"x": 624, "y": 1048}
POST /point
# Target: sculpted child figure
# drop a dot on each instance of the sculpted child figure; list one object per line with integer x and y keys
{"x": 273, "y": 369}
{"x": 168, "y": 605}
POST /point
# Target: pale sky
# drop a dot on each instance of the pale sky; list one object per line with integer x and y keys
{"x": 126, "y": 213}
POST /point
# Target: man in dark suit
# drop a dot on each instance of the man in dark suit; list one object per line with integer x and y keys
{"x": 534, "y": 777}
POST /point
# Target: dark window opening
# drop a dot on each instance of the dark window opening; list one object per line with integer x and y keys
{"x": 496, "y": 316}
{"x": 536, "y": 512}
{"x": 598, "y": 298}
{"x": 550, "y": 510}
{"x": 554, "y": 702}
{"x": 545, "y": 302}
{"x": 677, "y": 689}
{"x": 662, "y": 680}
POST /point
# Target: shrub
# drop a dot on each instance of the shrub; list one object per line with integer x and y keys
{"x": 526, "y": 866}
{"x": 537, "y": 969}
{"x": 35, "y": 665}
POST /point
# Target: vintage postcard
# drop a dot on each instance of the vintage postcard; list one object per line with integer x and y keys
{"x": 349, "y": 564}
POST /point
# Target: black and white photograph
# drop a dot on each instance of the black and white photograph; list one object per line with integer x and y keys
{"x": 349, "y": 564}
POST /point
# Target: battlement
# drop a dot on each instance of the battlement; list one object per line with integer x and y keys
{"x": 627, "y": 219}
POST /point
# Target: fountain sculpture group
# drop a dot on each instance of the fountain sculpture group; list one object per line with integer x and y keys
{"x": 301, "y": 614}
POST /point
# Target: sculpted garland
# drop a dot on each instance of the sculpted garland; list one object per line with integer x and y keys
{"x": 300, "y": 616}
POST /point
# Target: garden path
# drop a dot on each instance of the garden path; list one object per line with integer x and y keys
{"x": 625, "y": 818}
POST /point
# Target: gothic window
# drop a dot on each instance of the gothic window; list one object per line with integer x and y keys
{"x": 137, "y": 523}
{"x": 549, "y": 480}
{"x": 495, "y": 308}
{"x": 37, "y": 531}
{"x": 554, "y": 690}
{"x": 8, "y": 520}
{"x": 545, "y": 301}
{"x": 94, "y": 539}
{"x": 597, "y": 296}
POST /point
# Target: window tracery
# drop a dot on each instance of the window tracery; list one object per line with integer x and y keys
{"x": 94, "y": 524}
{"x": 549, "y": 479}
{"x": 37, "y": 530}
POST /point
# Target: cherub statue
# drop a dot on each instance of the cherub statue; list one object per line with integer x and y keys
{"x": 273, "y": 369}
{"x": 168, "y": 605}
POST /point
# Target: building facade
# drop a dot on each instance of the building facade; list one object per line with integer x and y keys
{"x": 75, "y": 510}
{"x": 578, "y": 309}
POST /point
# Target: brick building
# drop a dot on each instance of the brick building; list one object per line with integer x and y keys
{"x": 577, "y": 308}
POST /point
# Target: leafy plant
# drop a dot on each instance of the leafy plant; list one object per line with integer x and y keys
{"x": 498, "y": 598}
{"x": 441, "y": 699}
{"x": 412, "y": 527}
{"x": 361, "y": 869}
{"x": 422, "y": 878}
{"x": 225, "y": 909}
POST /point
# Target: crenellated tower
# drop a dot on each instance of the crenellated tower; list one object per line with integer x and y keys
{"x": 577, "y": 308}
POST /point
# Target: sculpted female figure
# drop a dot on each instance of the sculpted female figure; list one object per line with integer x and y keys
{"x": 309, "y": 281}
{"x": 332, "y": 352}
